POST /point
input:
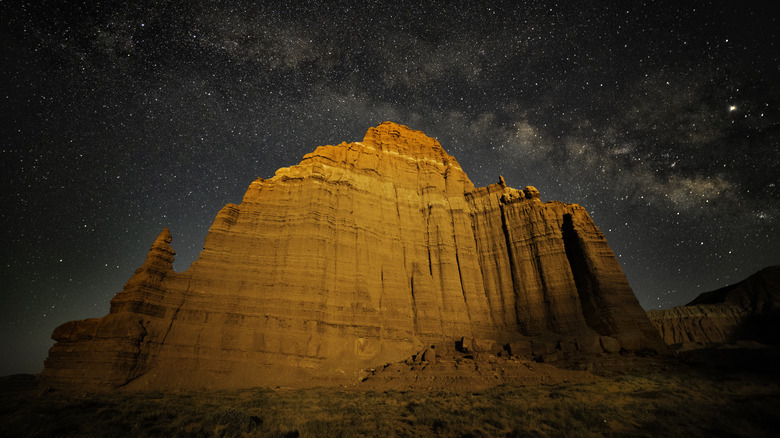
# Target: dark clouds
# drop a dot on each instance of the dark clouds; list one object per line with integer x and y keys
{"x": 659, "y": 117}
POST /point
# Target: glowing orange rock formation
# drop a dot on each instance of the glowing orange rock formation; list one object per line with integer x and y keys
{"x": 358, "y": 256}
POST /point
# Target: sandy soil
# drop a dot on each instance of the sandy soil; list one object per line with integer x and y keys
{"x": 713, "y": 392}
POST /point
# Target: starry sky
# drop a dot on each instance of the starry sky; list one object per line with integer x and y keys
{"x": 119, "y": 119}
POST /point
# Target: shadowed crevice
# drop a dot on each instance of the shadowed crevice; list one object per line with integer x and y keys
{"x": 586, "y": 283}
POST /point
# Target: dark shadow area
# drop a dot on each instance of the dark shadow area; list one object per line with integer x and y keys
{"x": 730, "y": 363}
{"x": 587, "y": 286}
{"x": 16, "y": 383}
{"x": 761, "y": 327}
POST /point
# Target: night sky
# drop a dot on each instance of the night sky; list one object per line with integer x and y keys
{"x": 119, "y": 119}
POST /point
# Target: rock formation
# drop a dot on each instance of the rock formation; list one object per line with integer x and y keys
{"x": 358, "y": 256}
{"x": 748, "y": 310}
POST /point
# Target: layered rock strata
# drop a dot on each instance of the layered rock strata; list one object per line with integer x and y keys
{"x": 356, "y": 257}
{"x": 748, "y": 310}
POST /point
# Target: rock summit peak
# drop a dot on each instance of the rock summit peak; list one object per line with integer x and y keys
{"x": 390, "y": 136}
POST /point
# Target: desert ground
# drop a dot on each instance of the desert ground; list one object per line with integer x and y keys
{"x": 726, "y": 391}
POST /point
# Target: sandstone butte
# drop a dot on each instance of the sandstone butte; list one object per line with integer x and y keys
{"x": 363, "y": 254}
{"x": 748, "y": 310}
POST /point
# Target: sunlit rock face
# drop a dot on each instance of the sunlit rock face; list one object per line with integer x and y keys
{"x": 360, "y": 255}
{"x": 748, "y": 310}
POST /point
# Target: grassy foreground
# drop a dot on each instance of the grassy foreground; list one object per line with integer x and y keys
{"x": 702, "y": 403}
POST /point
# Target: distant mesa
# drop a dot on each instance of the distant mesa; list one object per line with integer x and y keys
{"x": 745, "y": 311}
{"x": 364, "y": 254}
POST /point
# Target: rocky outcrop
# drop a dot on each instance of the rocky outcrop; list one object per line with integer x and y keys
{"x": 358, "y": 256}
{"x": 698, "y": 324}
{"x": 747, "y": 310}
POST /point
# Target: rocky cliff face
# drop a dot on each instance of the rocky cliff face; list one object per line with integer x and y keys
{"x": 748, "y": 310}
{"x": 360, "y": 255}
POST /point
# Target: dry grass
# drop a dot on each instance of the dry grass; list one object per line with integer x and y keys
{"x": 638, "y": 404}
